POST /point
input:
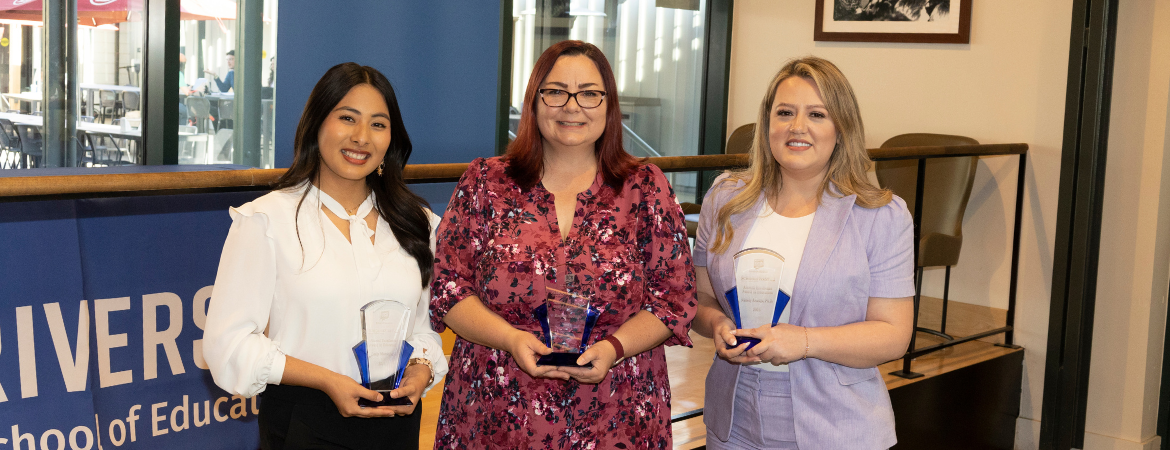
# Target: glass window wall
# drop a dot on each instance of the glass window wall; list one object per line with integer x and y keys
{"x": 109, "y": 69}
{"x": 656, "y": 49}
{"x": 106, "y": 113}
{"x": 208, "y": 110}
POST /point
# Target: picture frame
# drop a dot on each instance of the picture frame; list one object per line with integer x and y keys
{"x": 913, "y": 21}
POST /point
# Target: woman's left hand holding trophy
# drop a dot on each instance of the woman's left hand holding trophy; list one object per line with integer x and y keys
{"x": 343, "y": 390}
{"x": 414, "y": 381}
{"x": 602, "y": 355}
{"x": 726, "y": 345}
{"x": 779, "y": 344}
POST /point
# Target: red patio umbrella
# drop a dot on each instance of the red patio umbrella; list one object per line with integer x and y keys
{"x": 101, "y": 12}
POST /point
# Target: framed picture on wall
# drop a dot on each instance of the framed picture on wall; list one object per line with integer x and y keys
{"x": 922, "y": 21}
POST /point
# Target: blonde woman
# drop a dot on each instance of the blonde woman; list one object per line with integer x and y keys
{"x": 848, "y": 249}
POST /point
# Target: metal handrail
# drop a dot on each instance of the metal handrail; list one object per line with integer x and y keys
{"x": 638, "y": 139}
{"x": 33, "y": 188}
{"x": 98, "y": 182}
{"x": 922, "y": 154}
{"x": 686, "y": 415}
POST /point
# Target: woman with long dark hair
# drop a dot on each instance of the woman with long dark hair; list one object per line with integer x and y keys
{"x": 339, "y": 230}
{"x": 566, "y": 208}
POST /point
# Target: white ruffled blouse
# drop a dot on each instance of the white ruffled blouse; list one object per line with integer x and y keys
{"x": 294, "y": 287}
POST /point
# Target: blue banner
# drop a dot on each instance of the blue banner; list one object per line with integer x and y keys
{"x": 101, "y": 317}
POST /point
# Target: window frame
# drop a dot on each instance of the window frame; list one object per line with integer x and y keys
{"x": 715, "y": 84}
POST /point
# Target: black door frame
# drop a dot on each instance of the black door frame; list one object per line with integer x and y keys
{"x": 1164, "y": 394}
{"x": 1078, "y": 223}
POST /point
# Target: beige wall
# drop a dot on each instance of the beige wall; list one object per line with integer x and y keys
{"x": 1008, "y": 85}
{"x": 1135, "y": 237}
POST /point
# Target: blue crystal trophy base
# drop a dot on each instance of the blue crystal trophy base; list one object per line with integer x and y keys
{"x": 562, "y": 359}
{"x": 733, "y": 301}
{"x": 739, "y": 340}
{"x": 383, "y": 386}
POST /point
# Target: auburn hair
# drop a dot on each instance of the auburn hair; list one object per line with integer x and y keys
{"x": 525, "y": 154}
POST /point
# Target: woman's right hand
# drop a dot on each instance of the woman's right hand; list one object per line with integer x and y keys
{"x": 526, "y": 349}
{"x": 722, "y": 332}
{"x": 345, "y": 392}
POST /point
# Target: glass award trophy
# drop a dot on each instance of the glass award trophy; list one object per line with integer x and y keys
{"x": 756, "y": 299}
{"x": 567, "y": 319}
{"x": 383, "y": 352}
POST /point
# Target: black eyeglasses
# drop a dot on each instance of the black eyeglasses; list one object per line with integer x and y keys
{"x": 556, "y": 98}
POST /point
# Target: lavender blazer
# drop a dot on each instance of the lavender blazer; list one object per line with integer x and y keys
{"x": 852, "y": 254}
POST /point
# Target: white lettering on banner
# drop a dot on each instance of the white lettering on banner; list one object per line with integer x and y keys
{"x": 152, "y": 338}
{"x": 175, "y": 412}
{"x": 73, "y": 352}
{"x": 52, "y": 433}
{"x": 97, "y": 431}
{"x": 155, "y": 419}
{"x": 73, "y": 370}
{"x": 199, "y": 314}
{"x": 131, "y": 419}
{"x": 182, "y": 415}
{"x": 206, "y": 413}
{"x": 17, "y": 438}
{"x": 122, "y": 431}
{"x": 3, "y": 397}
{"x": 240, "y": 409}
{"x": 117, "y": 437}
{"x": 29, "y": 441}
{"x": 73, "y": 438}
{"x": 106, "y": 341}
{"x": 219, "y": 418}
{"x": 26, "y": 351}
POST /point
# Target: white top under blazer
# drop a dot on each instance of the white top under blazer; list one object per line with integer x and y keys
{"x": 786, "y": 236}
{"x": 271, "y": 299}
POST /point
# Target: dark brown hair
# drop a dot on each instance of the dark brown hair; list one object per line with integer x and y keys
{"x": 402, "y": 209}
{"x": 526, "y": 153}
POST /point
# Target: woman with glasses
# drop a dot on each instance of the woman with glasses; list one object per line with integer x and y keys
{"x": 339, "y": 230}
{"x": 566, "y": 212}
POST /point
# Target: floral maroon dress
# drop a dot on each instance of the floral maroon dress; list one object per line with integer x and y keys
{"x": 503, "y": 244}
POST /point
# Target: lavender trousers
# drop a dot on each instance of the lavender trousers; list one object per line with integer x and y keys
{"x": 763, "y": 413}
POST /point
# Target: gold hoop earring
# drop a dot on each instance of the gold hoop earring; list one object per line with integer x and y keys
{"x": 381, "y": 167}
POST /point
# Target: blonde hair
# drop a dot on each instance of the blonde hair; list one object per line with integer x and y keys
{"x": 847, "y": 165}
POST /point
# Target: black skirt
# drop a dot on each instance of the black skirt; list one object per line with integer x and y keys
{"x": 295, "y": 417}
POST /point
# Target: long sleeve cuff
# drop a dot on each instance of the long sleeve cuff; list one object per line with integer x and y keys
{"x": 426, "y": 348}
{"x": 276, "y": 372}
{"x": 270, "y": 373}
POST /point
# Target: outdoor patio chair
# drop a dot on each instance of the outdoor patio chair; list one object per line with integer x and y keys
{"x": 131, "y": 101}
{"x": 199, "y": 110}
{"x": 107, "y": 105}
{"x": 31, "y": 145}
